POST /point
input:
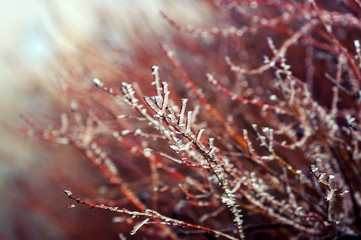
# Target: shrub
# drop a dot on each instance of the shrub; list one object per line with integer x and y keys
{"x": 251, "y": 128}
